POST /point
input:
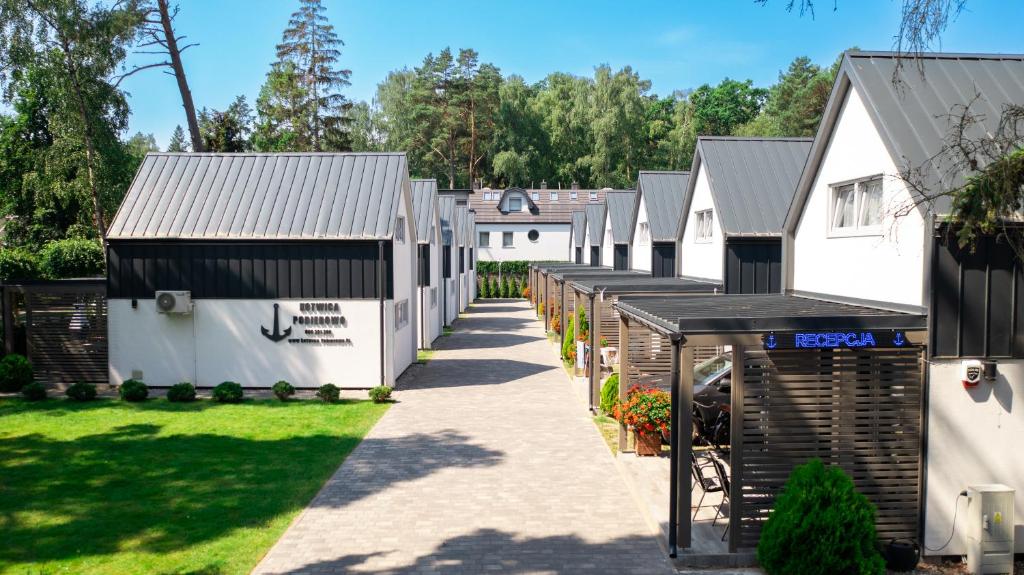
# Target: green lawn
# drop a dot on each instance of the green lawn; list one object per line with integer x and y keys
{"x": 159, "y": 487}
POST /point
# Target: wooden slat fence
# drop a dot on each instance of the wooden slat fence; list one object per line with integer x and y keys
{"x": 67, "y": 335}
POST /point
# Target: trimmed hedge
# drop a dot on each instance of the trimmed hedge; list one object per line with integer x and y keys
{"x": 133, "y": 390}
{"x": 181, "y": 392}
{"x": 328, "y": 393}
{"x": 15, "y": 373}
{"x": 18, "y": 264}
{"x": 34, "y": 391}
{"x": 71, "y": 258}
{"x": 283, "y": 390}
{"x": 380, "y": 394}
{"x": 81, "y": 391}
{"x": 228, "y": 392}
{"x": 610, "y": 394}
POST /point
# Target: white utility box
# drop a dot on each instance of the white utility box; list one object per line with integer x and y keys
{"x": 990, "y": 529}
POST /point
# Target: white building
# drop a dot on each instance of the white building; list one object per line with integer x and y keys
{"x": 618, "y": 223}
{"x": 296, "y": 267}
{"x": 578, "y": 237}
{"x": 737, "y": 197}
{"x": 857, "y": 233}
{"x": 527, "y": 224}
{"x": 450, "y": 284}
{"x": 593, "y": 235}
{"x": 659, "y": 208}
{"x": 428, "y": 277}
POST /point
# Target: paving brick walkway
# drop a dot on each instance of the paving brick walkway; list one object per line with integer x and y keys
{"x": 486, "y": 464}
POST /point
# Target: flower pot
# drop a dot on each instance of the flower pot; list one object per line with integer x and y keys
{"x": 648, "y": 445}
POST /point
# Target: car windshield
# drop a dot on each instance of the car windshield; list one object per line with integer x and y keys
{"x": 709, "y": 370}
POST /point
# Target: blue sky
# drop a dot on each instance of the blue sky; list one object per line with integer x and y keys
{"x": 676, "y": 45}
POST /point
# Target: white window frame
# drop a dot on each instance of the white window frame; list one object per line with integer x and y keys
{"x": 593, "y": 196}
{"x": 401, "y": 314}
{"x": 535, "y": 196}
{"x": 553, "y": 196}
{"x": 484, "y": 239}
{"x": 644, "y": 235}
{"x": 859, "y": 188}
{"x": 704, "y": 228}
{"x": 433, "y": 297}
{"x": 511, "y": 243}
{"x": 573, "y": 195}
{"x": 607, "y": 236}
{"x": 518, "y": 200}
{"x": 400, "y": 229}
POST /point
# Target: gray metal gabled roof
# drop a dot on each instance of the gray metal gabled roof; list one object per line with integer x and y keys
{"x": 915, "y": 118}
{"x": 752, "y": 181}
{"x": 446, "y": 209}
{"x": 263, "y": 196}
{"x": 621, "y": 212}
{"x": 424, "y": 203}
{"x": 461, "y": 217}
{"x": 579, "y": 227}
{"x": 471, "y": 229}
{"x": 663, "y": 194}
{"x": 595, "y": 223}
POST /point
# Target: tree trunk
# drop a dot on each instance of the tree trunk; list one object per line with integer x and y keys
{"x": 179, "y": 75}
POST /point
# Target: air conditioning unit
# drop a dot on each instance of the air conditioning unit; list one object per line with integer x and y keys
{"x": 174, "y": 302}
{"x": 990, "y": 529}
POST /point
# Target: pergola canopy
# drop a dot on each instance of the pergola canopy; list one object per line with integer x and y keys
{"x": 645, "y": 284}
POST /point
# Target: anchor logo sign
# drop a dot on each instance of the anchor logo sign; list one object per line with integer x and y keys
{"x": 770, "y": 342}
{"x": 277, "y": 334}
{"x": 898, "y": 340}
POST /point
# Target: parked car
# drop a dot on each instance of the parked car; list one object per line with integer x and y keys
{"x": 712, "y": 399}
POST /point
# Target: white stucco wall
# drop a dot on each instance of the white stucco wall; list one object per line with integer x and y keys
{"x": 887, "y": 267}
{"x": 405, "y": 255}
{"x": 701, "y": 259}
{"x": 550, "y": 245}
{"x": 607, "y": 243}
{"x": 640, "y": 252}
{"x": 431, "y": 327}
{"x": 221, "y": 341}
{"x": 451, "y": 285}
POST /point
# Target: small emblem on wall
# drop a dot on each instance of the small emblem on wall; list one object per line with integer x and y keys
{"x": 277, "y": 334}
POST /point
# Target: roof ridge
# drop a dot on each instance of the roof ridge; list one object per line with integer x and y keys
{"x": 274, "y": 154}
{"x": 934, "y": 55}
{"x": 758, "y": 138}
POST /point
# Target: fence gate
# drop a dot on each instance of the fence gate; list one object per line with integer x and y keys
{"x": 860, "y": 410}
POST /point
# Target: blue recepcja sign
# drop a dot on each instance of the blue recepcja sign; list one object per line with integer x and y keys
{"x": 834, "y": 340}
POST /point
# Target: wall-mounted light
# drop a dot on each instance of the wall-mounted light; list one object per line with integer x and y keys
{"x": 989, "y": 371}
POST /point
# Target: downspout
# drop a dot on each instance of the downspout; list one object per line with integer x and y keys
{"x": 673, "y": 473}
{"x": 380, "y": 290}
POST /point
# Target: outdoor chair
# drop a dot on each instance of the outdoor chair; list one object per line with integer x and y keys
{"x": 723, "y": 480}
{"x": 708, "y": 483}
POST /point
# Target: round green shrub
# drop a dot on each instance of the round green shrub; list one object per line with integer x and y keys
{"x": 15, "y": 373}
{"x": 820, "y": 524}
{"x": 80, "y": 231}
{"x": 71, "y": 258}
{"x": 181, "y": 392}
{"x": 485, "y": 288}
{"x": 133, "y": 390}
{"x": 610, "y": 393}
{"x": 380, "y": 394}
{"x": 228, "y": 392}
{"x": 493, "y": 291}
{"x": 34, "y": 391}
{"x": 328, "y": 393}
{"x": 18, "y": 264}
{"x": 81, "y": 391}
{"x": 283, "y": 390}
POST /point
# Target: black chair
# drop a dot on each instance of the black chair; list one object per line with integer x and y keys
{"x": 723, "y": 480}
{"x": 708, "y": 483}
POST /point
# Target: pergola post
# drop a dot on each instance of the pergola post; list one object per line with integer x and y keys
{"x": 595, "y": 354}
{"x": 682, "y": 425}
{"x": 575, "y": 327}
{"x": 8, "y": 319}
{"x": 736, "y": 446}
{"x": 545, "y": 303}
{"x": 623, "y": 375}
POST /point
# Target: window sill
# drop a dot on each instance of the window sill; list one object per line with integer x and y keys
{"x": 856, "y": 233}
{"x": 707, "y": 241}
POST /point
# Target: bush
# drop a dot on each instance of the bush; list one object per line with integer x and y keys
{"x": 15, "y": 373}
{"x": 494, "y": 289}
{"x": 515, "y": 291}
{"x": 610, "y": 394}
{"x": 283, "y": 390}
{"x": 568, "y": 343}
{"x": 71, "y": 258}
{"x": 18, "y": 264}
{"x": 133, "y": 390}
{"x": 228, "y": 392}
{"x": 182, "y": 392}
{"x": 380, "y": 394}
{"x": 328, "y": 393}
{"x": 820, "y": 524}
{"x": 80, "y": 231}
{"x": 527, "y": 293}
{"x": 485, "y": 288}
{"x": 81, "y": 391}
{"x": 34, "y": 391}
{"x": 647, "y": 410}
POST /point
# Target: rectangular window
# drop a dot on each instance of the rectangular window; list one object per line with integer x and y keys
{"x": 554, "y": 196}
{"x": 400, "y": 229}
{"x": 462, "y": 260}
{"x": 593, "y": 196}
{"x": 515, "y": 204}
{"x": 506, "y": 240}
{"x": 433, "y": 297}
{"x": 485, "y": 239}
{"x": 702, "y": 234}
{"x": 401, "y": 314}
{"x": 573, "y": 196}
{"x": 856, "y": 208}
{"x": 535, "y": 196}
{"x": 645, "y": 233}
{"x": 608, "y": 237}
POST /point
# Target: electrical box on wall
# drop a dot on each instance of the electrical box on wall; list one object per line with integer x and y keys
{"x": 176, "y": 302}
{"x": 990, "y": 528}
{"x": 971, "y": 371}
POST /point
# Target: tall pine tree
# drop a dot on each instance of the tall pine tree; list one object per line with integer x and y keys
{"x": 177, "y": 143}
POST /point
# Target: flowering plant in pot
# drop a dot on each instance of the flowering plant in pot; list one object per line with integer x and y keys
{"x": 649, "y": 412}
{"x": 556, "y": 323}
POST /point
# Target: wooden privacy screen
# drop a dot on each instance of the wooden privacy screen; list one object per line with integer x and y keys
{"x": 67, "y": 335}
{"x": 650, "y": 358}
{"x": 860, "y": 410}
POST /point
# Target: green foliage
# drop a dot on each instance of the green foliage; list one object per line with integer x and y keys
{"x": 15, "y": 373}
{"x": 568, "y": 341}
{"x": 133, "y": 390}
{"x": 34, "y": 391}
{"x": 72, "y": 258}
{"x": 228, "y": 130}
{"x": 81, "y": 391}
{"x": 514, "y": 289}
{"x": 718, "y": 110}
{"x": 18, "y": 264}
{"x": 796, "y": 103}
{"x": 380, "y": 394}
{"x": 183, "y": 392}
{"x": 989, "y": 199}
{"x": 512, "y": 168}
{"x": 178, "y": 143}
{"x": 512, "y": 267}
{"x": 328, "y": 393}
{"x": 581, "y": 320}
{"x": 485, "y": 288}
{"x": 283, "y": 390}
{"x": 610, "y": 394}
{"x": 503, "y": 287}
{"x": 228, "y": 392}
{"x": 820, "y": 524}
{"x": 495, "y": 288}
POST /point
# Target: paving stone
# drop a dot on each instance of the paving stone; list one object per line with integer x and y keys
{"x": 487, "y": 463}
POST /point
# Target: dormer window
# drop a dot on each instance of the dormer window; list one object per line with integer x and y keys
{"x": 535, "y": 196}
{"x": 554, "y": 196}
{"x": 593, "y": 196}
{"x": 573, "y": 195}
{"x": 515, "y": 204}
{"x": 487, "y": 196}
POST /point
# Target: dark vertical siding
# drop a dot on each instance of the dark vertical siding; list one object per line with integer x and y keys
{"x": 462, "y": 260}
{"x": 579, "y": 255}
{"x": 595, "y": 256}
{"x": 248, "y": 270}
{"x": 663, "y": 260}
{"x": 621, "y": 256}
{"x": 753, "y": 266}
{"x": 471, "y": 259}
{"x": 446, "y": 262}
{"x": 976, "y": 299}
{"x": 423, "y": 275}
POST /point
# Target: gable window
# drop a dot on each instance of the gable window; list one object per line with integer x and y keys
{"x": 645, "y": 233}
{"x": 485, "y": 239}
{"x": 607, "y": 237}
{"x": 856, "y": 208}
{"x": 400, "y": 230}
{"x": 401, "y": 314}
{"x": 554, "y": 196}
{"x": 573, "y": 195}
{"x": 535, "y": 196}
{"x": 702, "y": 234}
{"x": 515, "y": 204}
{"x": 506, "y": 239}
{"x": 593, "y": 196}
